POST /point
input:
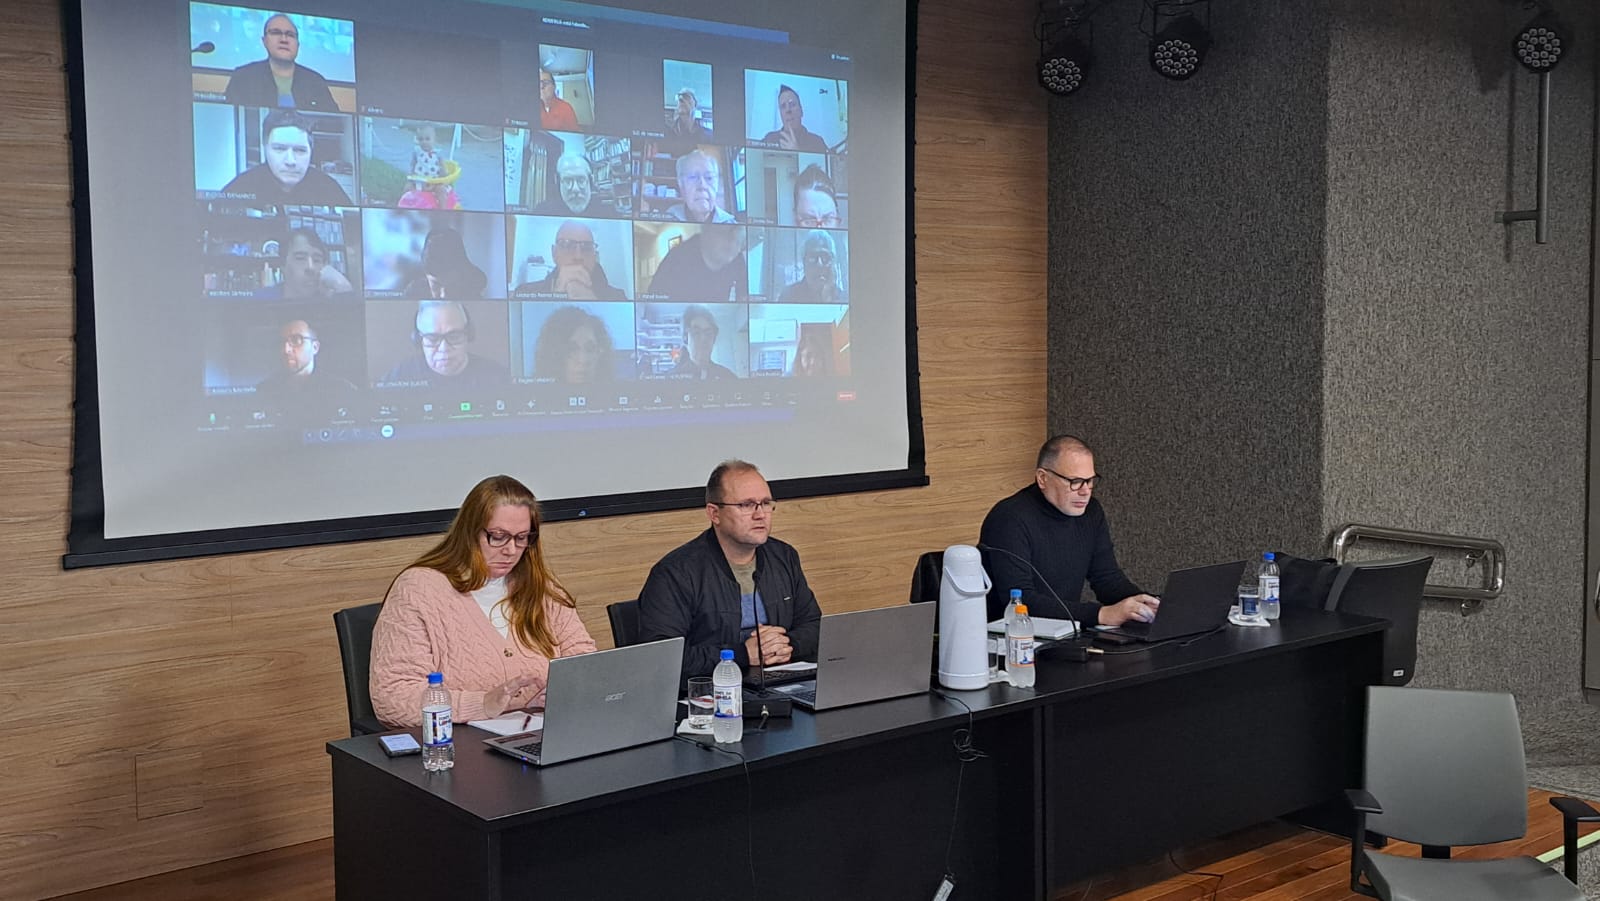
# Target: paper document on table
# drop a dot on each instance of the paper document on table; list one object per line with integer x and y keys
{"x": 799, "y": 666}
{"x": 511, "y": 723}
{"x": 1043, "y": 627}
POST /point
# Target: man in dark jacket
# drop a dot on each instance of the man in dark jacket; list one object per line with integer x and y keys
{"x": 278, "y": 80}
{"x": 716, "y": 589}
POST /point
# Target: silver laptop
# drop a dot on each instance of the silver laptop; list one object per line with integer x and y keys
{"x": 601, "y": 702}
{"x": 869, "y": 655}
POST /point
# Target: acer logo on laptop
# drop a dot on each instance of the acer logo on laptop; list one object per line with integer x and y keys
{"x": 616, "y": 697}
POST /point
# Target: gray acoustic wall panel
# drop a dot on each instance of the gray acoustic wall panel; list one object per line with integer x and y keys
{"x": 1455, "y": 350}
{"x": 1186, "y": 286}
{"x": 1279, "y": 302}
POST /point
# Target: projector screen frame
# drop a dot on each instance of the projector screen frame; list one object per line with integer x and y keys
{"x": 88, "y": 546}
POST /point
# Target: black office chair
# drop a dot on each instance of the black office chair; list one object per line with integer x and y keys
{"x": 1305, "y": 583}
{"x": 1391, "y": 589}
{"x": 926, "y": 577}
{"x": 624, "y": 616}
{"x": 354, "y": 627}
{"x": 1445, "y": 768}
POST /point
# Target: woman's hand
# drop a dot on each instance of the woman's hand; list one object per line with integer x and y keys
{"x": 498, "y": 700}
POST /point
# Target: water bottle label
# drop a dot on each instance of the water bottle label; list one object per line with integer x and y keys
{"x": 1269, "y": 588}
{"x": 1020, "y": 651}
{"x": 1249, "y": 606}
{"x": 729, "y": 700}
{"x": 436, "y": 727}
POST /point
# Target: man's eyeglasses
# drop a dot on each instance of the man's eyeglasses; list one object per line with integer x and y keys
{"x": 749, "y": 508}
{"x": 454, "y": 338}
{"x": 1075, "y": 484}
{"x": 282, "y": 33}
{"x": 831, "y": 220}
{"x": 297, "y": 340}
{"x": 497, "y": 538}
{"x": 820, "y": 259}
{"x": 570, "y": 245}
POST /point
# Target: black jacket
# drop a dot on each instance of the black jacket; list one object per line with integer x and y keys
{"x": 1058, "y": 553}
{"x": 252, "y": 84}
{"x": 692, "y": 593}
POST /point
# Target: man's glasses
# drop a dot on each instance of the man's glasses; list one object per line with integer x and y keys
{"x": 454, "y": 338}
{"x": 497, "y": 538}
{"x": 580, "y": 246}
{"x": 831, "y": 220}
{"x": 282, "y": 33}
{"x": 297, "y": 340}
{"x": 1075, "y": 484}
{"x": 749, "y": 508}
{"x": 820, "y": 259}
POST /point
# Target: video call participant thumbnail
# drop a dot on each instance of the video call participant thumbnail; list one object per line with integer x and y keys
{"x": 715, "y": 589}
{"x": 287, "y": 173}
{"x": 684, "y": 128}
{"x": 278, "y": 81}
{"x": 700, "y": 331}
{"x": 574, "y": 348}
{"x": 443, "y": 355}
{"x": 816, "y": 203}
{"x": 447, "y": 272}
{"x": 707, "y": 266}
{"x": 576, "y": 196}
{"x": 821, "y": 281}
{"x": 306, "y": 274}
{"x": 299, "y": 375}
{"x": 577, "y": 273}
{"x": 700, "y": 190}
{"x": 793, "y": 135}
{"x": 482, "y": 607}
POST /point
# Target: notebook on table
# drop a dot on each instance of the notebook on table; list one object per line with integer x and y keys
{"x": 603, "y": 701}
{"x": 1195, "y": 601}
{"x": 869, "y": 655}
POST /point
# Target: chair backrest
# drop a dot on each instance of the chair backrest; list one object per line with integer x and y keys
{"x": 925, "y": 578}
{"x": 354, "y": 627}
{"x": 1446, "y": 766}
{"x": 1391, "y": 589}
{"x": 624, "y": 616}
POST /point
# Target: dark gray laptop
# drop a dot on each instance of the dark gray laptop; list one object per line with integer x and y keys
{"x": 1195, "y": 601}
{"x": 869, "y": 655}
{"x": 602, "y": 702}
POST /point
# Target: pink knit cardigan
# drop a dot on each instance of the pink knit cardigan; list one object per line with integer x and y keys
{"x": 427, "y": 626}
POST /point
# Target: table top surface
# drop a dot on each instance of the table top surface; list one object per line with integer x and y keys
{"x": 498, "y": 792}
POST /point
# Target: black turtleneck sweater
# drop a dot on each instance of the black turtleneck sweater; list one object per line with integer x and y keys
{"x": 1064, "y": 549}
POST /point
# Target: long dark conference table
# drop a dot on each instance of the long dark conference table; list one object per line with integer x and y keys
{"x": 1100, "y": 765}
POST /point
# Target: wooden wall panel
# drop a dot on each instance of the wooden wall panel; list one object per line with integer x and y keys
{"x": 232, "y": 661}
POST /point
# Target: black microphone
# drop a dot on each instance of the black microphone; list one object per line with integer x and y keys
{"x": 1076, "y": 623}
{"x": 204, "y": 47}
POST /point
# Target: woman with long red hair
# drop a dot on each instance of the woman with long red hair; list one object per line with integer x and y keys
{"x": 482, "y": 608}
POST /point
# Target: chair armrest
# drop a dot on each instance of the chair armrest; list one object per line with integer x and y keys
{"x": 1362, "y": 801}
{"x": 1573, "y": 812}
{"x": 1576, "y": 811}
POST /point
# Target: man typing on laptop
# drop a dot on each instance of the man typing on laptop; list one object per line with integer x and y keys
{"x": 1051, "y": 536}
{"x": 733, "y": 586}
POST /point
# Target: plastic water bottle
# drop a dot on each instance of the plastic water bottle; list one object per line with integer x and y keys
{"x": 1011, "y": 607}
{"x": 727, "y": 723}
{"x": 438, "y": 750}
{"x": 1019, "y": 648}
{"x": 1268, "y": 580}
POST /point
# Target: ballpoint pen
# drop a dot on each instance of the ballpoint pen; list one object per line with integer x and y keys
{"x": 526, "y": 719}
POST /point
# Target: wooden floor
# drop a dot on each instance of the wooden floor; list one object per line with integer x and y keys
{"x": 1271, "y": 862}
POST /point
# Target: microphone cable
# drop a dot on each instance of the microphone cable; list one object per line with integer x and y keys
{"x": 1082, "y": 633}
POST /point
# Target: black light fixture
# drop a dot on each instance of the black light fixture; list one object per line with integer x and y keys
{"x": 1538, "y": 46}
{"x": 1066, "y": 43}
{"x": 1179, "y": 37}
{"x": 1065, "y": 62}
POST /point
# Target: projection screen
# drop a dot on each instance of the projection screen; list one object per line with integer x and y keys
{"x": 341, "y": 260}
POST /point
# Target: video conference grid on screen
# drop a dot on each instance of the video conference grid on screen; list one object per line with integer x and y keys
{"x": 537, "y": 226}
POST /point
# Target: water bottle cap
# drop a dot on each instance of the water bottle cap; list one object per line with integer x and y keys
{"x": 727, "y": 654}
{"x": 1016, "y": 593}
{"x": 435, "y": 678}
{"x": 1022, "y": 609}
{"x": 1269, "y": 556}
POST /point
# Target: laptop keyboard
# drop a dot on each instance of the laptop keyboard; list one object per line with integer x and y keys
{"x": 531, "y": 748}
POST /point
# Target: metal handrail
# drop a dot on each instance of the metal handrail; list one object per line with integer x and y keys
{"x": 1492, "y": 553}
